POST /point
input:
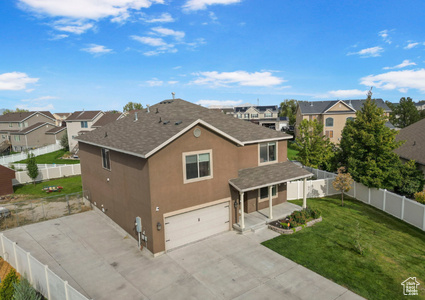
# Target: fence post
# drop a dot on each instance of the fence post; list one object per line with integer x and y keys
{"x": 73, "y": 172}
{"x": 423, "y": 223}
{"x": 60, "y": 171}
{"x": 402, "y": 207}
{"x": 66, "y": 289}
{"x": 29, "y": 267}
{"x": 385, "y": 198}
{"x": 16, "y": 258}
{"x": 368, "y": 197}
{"x": 327, "y": 186}
{"x": 46, "y": 268}
{"x": 47, "y": 173}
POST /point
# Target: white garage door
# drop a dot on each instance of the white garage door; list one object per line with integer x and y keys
{"x": 195, "y": 225}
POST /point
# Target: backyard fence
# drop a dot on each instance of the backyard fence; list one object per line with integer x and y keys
{"x": 48, "y": 173}
{"x": 32, "y": 211}
{"x": 408, "y": 210}
{"x": 5, "y": 160}
{"x": 22, "y": 167}
{"x": 39, "y": 275}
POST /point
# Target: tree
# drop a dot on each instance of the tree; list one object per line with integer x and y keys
{"x": 405, "y": 113}
{"x": 411, "y": 179}
{"x": 64, "y": 142}
{"x": 288, "y": 108}
{"x": 7, "y": 287}
{"x": 315, "y": 149}
{"x": 6, "y": 111}
{"x": 342, "y": 182}
{"x": 32, "y": 168}
{"x": 132, "y": 106}
{"x": 367, "y": 148}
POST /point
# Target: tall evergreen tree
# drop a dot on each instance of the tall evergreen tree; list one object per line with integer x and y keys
{"x": 367, "y": 148}
{"x": 32, "y": 168}
{"x": 405, "y": 113}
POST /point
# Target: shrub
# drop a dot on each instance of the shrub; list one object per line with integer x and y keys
{"x": 299, "y": 217}
{"x": 7, "y": 288}
{"x": 315, "y": 213}
{"x": 284, "y": 225}
{"x": 420, "y": 197}
{"x": 25, "y": 291}
{"x": 293, "y": 224}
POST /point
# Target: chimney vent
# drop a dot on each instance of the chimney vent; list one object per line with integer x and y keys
{"x": 174, "y": 95}
{"x": 135, "y": 116}
{"x": 160, "y": 120}
{"x": 147, "y": 108}
{"x": 157, "y": 110}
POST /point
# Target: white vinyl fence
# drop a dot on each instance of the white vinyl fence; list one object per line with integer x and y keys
{"x": 18, "y": 167}
{"x": 48, "y": 173}
{"x": 39, "y": 275}
{"x": 400, "y": 207}
{"x": 4, "y": 160}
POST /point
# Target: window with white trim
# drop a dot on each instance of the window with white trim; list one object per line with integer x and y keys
{"x": 268, "y": 152}
{"x": 106, "y": 160}
{"x": 330, "y": 122}
{"x": 84, "y": 124}
{"x": 17, "y": 138}
{"x": 254, "y": 115}
{"x": 246, "y": 116}
{"x": 350, "y": 118}
{"x": 198, "y": 166}
{"x": 264, "y": 192}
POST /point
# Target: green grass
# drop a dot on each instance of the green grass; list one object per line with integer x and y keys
{"x": 70, "y": 185}
{"x": 292, "y": 152}
{"x": 394, "y": 250}
{"x": 52, "y": 158}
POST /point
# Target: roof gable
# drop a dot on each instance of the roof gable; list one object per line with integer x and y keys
{"x": 340, "y": 106}
{"x": 85, "y": 115}
{"x": 22, "y": 116}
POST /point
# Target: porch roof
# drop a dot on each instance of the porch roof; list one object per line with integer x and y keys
{"x": 258, "y": 177}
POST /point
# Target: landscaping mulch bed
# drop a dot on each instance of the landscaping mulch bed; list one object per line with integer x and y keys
{"x": 276, "y": 226}
{"x": 5, "y": 268}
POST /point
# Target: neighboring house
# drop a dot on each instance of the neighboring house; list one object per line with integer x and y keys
{"x": 187, "y": 171}
{"x": 107, "y": 118}
{"x": 6, "y": 176}
{"x": 60, "y": 118}
{"x": 414, "y": 146}
{"x": 333, "y": 114}
{"x": 80, "y": 122}
{"x": 27, "y": 130}
{"x": 267, "y": 116}
{"x": 420, "y": 105}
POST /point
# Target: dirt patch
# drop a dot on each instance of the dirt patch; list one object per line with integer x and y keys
{"x": 5, "y": 268}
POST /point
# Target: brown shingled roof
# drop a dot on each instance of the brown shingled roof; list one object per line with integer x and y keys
{"x": 55, "y": 130}
{"x": 414, "y": 147}
{"x": 107, "y": 118}
{"x": 32, "y": 127}
{"x": 151, "y": 132}
{"x": 83, "y": 115}
{"x": 21, "y": 116}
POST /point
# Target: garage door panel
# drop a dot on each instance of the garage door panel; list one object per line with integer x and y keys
{"x": 195, "y": 225}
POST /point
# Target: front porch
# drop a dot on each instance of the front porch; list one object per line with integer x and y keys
{"x": 260, "y": 218}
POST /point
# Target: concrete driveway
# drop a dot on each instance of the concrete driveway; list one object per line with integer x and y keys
{"x": 102, "y": 262}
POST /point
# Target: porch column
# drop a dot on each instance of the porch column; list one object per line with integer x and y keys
{"x": 270, "y": 202}
{"x": 242, "y": 210}
{"x": 305, "y": 193}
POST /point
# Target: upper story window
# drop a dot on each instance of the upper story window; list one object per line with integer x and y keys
{"x": 197, "y": 165}
{"x": 268, "y": 115}
{"x": 254, "y": 115}
{"x": 246, "y": 116}
{"x": 264, "y": 192}
{"x": 350, "y": 118}
{"x": 329, "y": 122}
{"x": 10, "y": 124}
{"x": 268, "y": 152}
{"x": 17, "y": 138}
{"x": 84, "y": 124}
{"x": 106, "y": 160}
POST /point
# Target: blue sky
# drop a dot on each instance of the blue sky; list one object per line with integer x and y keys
{"x": 71, "y": 55}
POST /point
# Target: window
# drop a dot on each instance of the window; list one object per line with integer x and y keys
{"x": 25, "y": 124}
{"x": 10, "y": 125}
{"x": 267, "y": 152}
{"x": 197, "y": 166}
{"x": 17, "y": 138}
{"x": 329, "y": 122}
{"x": 254, "y": 115}
{"x": 312, "y": 117}
{"x": 329, "y": 133}
{"x": 264, "y": 192}
{"x": 83, "y": 124}
{"x": 268, "y": 115}
{"x": 106, "y": 162}
{"x": 239, "y": 116}
{"x": 350, "y": 118}
{"x": 246, "y": 116}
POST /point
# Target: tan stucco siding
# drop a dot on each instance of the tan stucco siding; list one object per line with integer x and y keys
{"x": 339, "y": 121}
{"x": 340, "y": 107}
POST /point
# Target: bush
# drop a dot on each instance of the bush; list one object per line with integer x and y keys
{"x": 315, "y": 213}
{"x": 420, "y": 197}
{"x": 25, "y": 291}
{"x": 293, "y": 224}
{"x": 284, "y": 225}
{"x": 7, "y": 287}
{"x": 299, "y": 217}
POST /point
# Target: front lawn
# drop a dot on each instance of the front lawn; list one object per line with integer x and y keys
{"x": 292, "y": 152}
{"x": 52, "y": 158}
{"x": 70, "y": 185}
{"x": 392, "y": 249}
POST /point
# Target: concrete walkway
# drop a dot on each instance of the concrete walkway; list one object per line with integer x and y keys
{"x": 102, "y": 262}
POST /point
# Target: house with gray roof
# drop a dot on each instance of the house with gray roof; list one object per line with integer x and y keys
{"x": 263, "y": 115}
{"x": 78, "y": 123}
{"x": 187, "y": 171}
{"x": 333, "y": 114}
{"x": 29, "y": 130}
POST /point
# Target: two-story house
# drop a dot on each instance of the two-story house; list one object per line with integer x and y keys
{"x": 333, "y": 114}
{"x": 187, "y": 171}
{"x": 80, "y": 122}
{"x": 28, "y": 130}
{"x": 265, "y": 115}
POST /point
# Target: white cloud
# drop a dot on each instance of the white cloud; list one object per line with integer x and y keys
{"x": 173, "y": 82}
{"x": 154, "y": 42}
{"x": 369, "y": 52}
{"x": 340, "y": 94}
{"x": 59, "y": 37}
{"x": 163, "y": 18}
{"x": 202, "y": 4}
{"x": 76, "y": 27}
{"x": 242, "y": 78}
{"x": 168, "y": 32}
{"x": 155, "y": 82}
{"x": 97, "y": 49}
{"x": 411, "y": 45}
{"x": 384, "y": 34}
{"x": 15, "y": 81}
{"x": 177, "y": 67}
{"x": 406, "y": 79}
{"x": 42, "y": 98}
{"x": 219, "y": 103}
{"x": 47, "y": 107}
{"x": 404, "y": 64}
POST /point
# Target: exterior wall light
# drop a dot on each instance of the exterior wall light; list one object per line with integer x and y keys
{"x": 158, "y": 226}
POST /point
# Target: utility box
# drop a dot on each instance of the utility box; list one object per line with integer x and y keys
{"x": 138, "y": 224}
